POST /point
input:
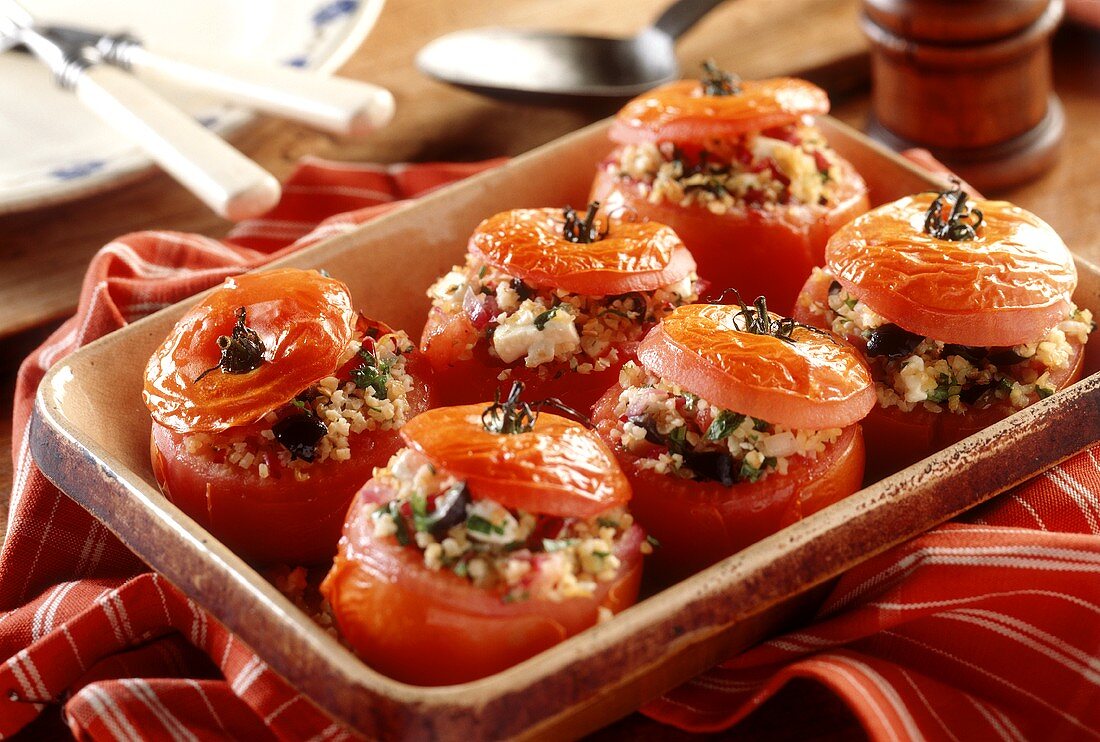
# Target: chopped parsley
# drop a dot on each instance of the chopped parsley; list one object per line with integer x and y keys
{"x": 373, "y": 374}
{"x": 724, "y": 425}
{"x": 477, "y": 524}
{"x": 542, "y": 319}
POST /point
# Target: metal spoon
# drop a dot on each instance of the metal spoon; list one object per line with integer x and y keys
{"x": 513, "y": 63}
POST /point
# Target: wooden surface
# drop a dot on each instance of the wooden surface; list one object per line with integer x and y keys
{"x": 43, "y": 254}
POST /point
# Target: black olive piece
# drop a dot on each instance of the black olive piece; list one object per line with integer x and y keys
{"x": 715, "y": 466}
{"x": 1001, "y": 357}
{"x": 892, "y": 341}
{"x": 650, "y": 428}
{"x": 299, "y": 433}
{"x": 971, "y": 353}
{"x": 450, "y": 510}
{"x": 834, "y": 288}
{"x": 972, "y": 394}
{"x": 523, "y": 291}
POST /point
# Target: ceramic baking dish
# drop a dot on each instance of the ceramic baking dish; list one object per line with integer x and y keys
{"x": 90, "y": 436}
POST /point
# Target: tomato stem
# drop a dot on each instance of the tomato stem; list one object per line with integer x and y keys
{"x": 717, "y": 81}
{"x": 582, "y": 231}
{"x": 962, "y": 221}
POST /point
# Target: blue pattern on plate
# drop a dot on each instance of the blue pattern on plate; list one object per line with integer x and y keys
{"x": 78, "y": 170}
{"x": 333, "y": 10}
{"x": 299, "y": 61}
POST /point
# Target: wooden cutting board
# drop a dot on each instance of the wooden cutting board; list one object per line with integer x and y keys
{"x": 43, "y": 254}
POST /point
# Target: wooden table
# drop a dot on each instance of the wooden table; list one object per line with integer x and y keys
{"x": 43, "y": 254}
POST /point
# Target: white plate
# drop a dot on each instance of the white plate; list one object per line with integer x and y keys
{"x": 52, "y": 150}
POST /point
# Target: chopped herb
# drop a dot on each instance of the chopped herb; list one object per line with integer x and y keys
{"x": 557, "y": 544}
{"x": 1043, "y": 392}
{"x": 482, "y": 271}
{"x": 601, "y": 554}
{"x": 941, "y": 392}
{"x": 542, "y": 319}
{"x": 477, "y": 524}
{"x": 653, "y": 542}
{"x": 460, "y": 569}
{"x": 724, "y": 425}
{"x": 607, "y": 522}
{"x": 750, "y": 473}
{"x": 393, "y": 509}
{"x": 677, "y": 439}
{"x": 761, "y": 425}
{"x": 299, "y": 403}
{"x": 514, "y": 597}
{"x": 450, "y": 510}
{"x": 373, "y": 374}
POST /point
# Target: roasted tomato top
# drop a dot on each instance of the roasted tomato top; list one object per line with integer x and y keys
{"x": 804, "y": 379}
{"x": 614, "y": 256}
{"x": 1007, "y": 285}
{"x": 282, "y": 330}
{"x": 681, "y": 112}
{"x": 557, "y": 467}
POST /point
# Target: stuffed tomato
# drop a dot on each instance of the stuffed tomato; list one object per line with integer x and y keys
{"x": 272, "y": 402}
{"x": 739, "y": 171}
{"x": 494, "y": 534}
{"x": 553, "y": 300}
{"x": 734, "y": 423}
{"x": 963, "y": 311}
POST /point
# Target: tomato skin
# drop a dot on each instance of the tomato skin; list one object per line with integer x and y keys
{"x": 680, "y": 111}
{"x": 277, "y": 520}
{"x": 305, "y": 322}
{"x": 630, "y": 256}
{"x": 557, "y": 467}
{"x": 759, "y": 252}
{"x": 815, "y": 382}
{"x": 700, "y": 523}
{"x": 1007, "y": 286}
{"x": 896, "y": 438}
{"x": 464, "y": 376}
{"x": 435, "y": 628}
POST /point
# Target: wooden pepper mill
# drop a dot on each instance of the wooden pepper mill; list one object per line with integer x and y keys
{"x": 969, "y": 80}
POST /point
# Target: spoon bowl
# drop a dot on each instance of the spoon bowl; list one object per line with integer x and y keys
{"x": 533, "y": 65}
{"x": 505, "y": 62}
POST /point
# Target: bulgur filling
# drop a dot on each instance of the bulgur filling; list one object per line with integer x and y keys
{"x": 920, "y": 372}
{"x": 678, "y": 433}
{"x": 543, "y": 326}
{"x": 785, "y": 165}
{"x": 520, "y": 555}
{"x": 369, "y": 392}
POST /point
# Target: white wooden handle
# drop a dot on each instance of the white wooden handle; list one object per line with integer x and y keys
{"x": 335, "y": 104}
{"x": 224, "y": 179}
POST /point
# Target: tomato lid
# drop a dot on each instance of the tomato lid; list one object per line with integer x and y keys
{"x": 1007, "y": 285}
{"x": 628, "y": 256}
{"x": 680, "y": 112}
{"x": 304, "y": 321}
{"x": 807, "y": 380}
{"x": 559, "y": 467}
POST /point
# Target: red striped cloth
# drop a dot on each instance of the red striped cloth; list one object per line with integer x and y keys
{"x": 988, "y": 627}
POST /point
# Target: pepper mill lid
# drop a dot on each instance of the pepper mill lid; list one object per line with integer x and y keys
{"x": 954, "y": 21}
